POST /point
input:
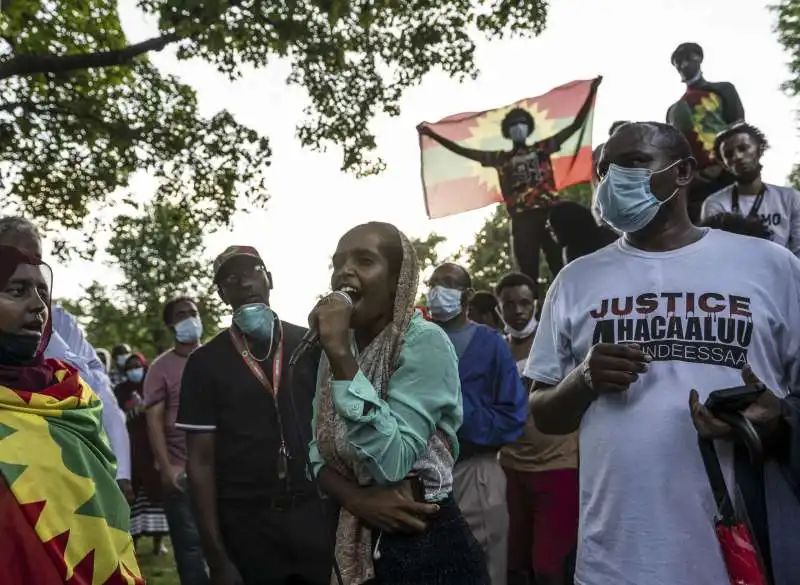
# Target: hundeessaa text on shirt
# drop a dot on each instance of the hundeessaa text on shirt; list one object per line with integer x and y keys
{"x": 702, "y": 312}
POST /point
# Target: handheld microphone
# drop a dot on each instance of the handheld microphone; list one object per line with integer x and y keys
{"x": 312, "y": 335}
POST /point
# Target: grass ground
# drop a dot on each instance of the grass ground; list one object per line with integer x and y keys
{"x": 158, "y": 570}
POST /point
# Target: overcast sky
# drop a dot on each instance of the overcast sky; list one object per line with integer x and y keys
{"x": 313, "y": 203}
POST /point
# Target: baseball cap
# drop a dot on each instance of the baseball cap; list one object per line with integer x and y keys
{"x": 234, "y": 252}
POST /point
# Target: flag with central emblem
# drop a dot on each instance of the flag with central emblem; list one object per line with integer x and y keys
{"x": 454, "y": 183}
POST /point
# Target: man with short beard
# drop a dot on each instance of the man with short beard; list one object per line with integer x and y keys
{"x": 740, "y": 149}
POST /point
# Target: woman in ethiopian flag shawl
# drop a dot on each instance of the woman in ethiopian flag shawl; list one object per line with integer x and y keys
{"x": 63, "y": 520}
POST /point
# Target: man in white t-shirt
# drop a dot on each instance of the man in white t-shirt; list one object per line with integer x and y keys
{"x": 627, "y": 332}
{"x": 740, "y": 148}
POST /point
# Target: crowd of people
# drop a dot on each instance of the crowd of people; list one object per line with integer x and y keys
{"x": 486, "y": 438}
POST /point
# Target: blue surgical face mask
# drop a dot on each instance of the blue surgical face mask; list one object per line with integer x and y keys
{"x": 189, "y": 330}
{"x": 518, "y": 132}
{"x": 256, "y": 320}
{"x": 444, "y": 303}
{"x": 625, "y": 200}
{"x": 135, "y": 375}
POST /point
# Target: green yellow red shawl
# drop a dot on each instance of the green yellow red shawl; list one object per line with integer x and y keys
{"x": 58, "y": 464}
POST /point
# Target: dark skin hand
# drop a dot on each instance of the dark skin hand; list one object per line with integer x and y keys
{"x": 332, "y": 316}
{"x": 764, "y": 413}
{"x": 384, "y": 508}
{"x": 360, "y": 263}
{"x": 610, "y": 368}
{"x": 389, "y": 510}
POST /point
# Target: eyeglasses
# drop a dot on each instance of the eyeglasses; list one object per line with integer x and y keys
{"x": 236, "y": 276}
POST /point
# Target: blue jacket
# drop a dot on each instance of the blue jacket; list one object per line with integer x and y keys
{"x": 495, "y": 401}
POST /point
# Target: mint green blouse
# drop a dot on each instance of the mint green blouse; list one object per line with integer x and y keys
{"x": 397, "y": 434}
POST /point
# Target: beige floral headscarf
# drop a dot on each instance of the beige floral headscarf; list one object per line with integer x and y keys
{"x": 378, "y": 363}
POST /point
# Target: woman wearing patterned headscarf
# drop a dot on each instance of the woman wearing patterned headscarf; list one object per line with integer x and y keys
{"x": 387, "y": 409}
{"x": 62, "y": 517}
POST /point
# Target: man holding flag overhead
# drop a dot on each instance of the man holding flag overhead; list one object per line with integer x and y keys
{"x": 526, "y": 174}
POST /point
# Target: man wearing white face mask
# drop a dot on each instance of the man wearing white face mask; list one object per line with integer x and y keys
{"x": 624, "y": 336}
{"x": 161, "y": 391}
{"x": 526, "y": 179}
{"x": 495, "y": 410}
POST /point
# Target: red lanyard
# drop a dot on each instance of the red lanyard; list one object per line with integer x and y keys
{"x": 255, "y": 367}
{"x": 277, "y": 368}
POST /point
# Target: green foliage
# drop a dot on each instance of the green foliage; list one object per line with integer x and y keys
{"x": 81, "y": 109}
{"x": 75, "y": 123}
{"x": 160, "y": 256}
{"x": 427, "y": 253}
{"x": 489, "y": 257}
{"x": 788, "y": 29}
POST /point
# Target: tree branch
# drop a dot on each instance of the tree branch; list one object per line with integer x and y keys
{"x": 32, "y": 64}
{"x": 11, "y": 106}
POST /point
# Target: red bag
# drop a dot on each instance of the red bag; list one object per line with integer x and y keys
{"x": 425, "y": 312}
{"x": 739, "y": 548}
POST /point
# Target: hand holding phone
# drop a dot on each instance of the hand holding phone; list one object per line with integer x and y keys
{"x": 735, "y": 399}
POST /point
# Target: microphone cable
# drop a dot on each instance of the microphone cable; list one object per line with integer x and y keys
{"x": 309, "y": 467}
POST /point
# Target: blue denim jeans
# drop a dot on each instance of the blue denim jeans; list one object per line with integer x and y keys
{"x": 185, "y": 538}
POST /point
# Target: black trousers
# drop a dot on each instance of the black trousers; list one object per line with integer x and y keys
{"x": 280, "y": 547}
{"x": 529, "y": 235}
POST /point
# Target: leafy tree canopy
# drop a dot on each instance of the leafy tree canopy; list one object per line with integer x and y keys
{"x": 160, "y": 254}
{"x": 788, "y": 29}
{"x": 82, "y": 108}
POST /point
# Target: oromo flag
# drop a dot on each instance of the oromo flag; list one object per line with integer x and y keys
{"x": 454, "y": 184}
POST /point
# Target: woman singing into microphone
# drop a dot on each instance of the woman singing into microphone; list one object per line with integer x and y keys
{"x": 387, "y": 409}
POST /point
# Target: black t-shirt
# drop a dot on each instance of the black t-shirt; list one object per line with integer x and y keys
{"x": 220, "y": 394}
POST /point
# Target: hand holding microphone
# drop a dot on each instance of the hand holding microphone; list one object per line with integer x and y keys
{"x": 330, "y": 318}
{"x": 328, "y": 324}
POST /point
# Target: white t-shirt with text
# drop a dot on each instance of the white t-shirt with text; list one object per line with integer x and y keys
{"x": 779, "y": 211}
{"x": 702, "y": 311}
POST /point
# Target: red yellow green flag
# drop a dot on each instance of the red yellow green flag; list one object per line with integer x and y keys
{"x": 57, "y": 463}
{"x": 453, "y": 183}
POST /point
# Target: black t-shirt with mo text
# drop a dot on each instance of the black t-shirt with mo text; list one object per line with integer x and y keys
{"x": 220, "y": 394}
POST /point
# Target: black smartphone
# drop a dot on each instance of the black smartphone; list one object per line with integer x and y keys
{"x": 734, "y": 399}
{"x": 413, "y": 488}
